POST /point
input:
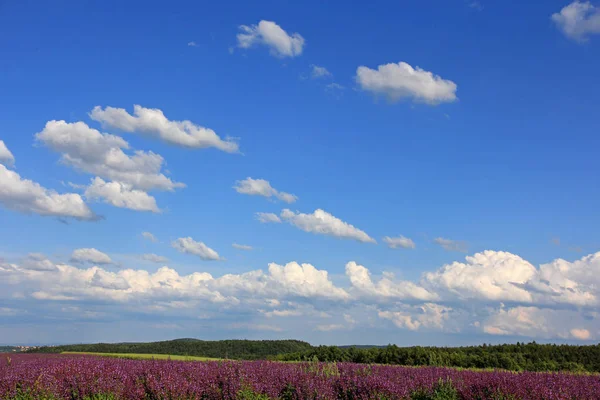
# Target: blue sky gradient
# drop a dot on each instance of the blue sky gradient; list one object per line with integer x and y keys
{"x": 509, "y": 166}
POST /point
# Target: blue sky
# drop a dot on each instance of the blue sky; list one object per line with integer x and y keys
{"x": 460, "y": 129}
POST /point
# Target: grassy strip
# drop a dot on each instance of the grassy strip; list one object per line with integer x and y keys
{"x": 136, "y": 356}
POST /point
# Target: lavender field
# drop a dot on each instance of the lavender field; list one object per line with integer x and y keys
{"x": 33, "y": 376}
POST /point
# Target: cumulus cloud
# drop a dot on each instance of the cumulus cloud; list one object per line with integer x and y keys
{"x": 322, "y": 223}
{"x": 152, "y": 122}
{"x": 268, "y": 33}
{"x": 102, "y": 154}
{"x": 565, "y": 282}
{"x": 495, "y": 293}
{"x": 190, "y": 246}
{"x": 90, "y": 255}
{"x": 385, "y": 288}
{"x": 537, "y": 322}
{"x": 578, "y": 20}
{"x": 428, "y": 316}
{"x": 28, "y": 197}
{"x": 155, "y": 258}
{"x": 319, "y": 72}
{"x": 451, "y": 245}
{"x": 6, "y": 157}
{"x": 121, "y": 195}
{"x": 489, "y": 275}
{"x": 402, "y": 81}
{"x": 166, "y": 289}
{"x": 399, "y": 242}
{"x": 261, "y": 187}
{"x": 305, "y": 280}
{"x": 149, "y": 236}
{"x": 37, "y": 262}
{"x": 268, "y": 218}
{"x": 242, "y": 247}
{"x": 108, "y": 280}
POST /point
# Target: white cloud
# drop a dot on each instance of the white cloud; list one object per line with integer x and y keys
{"x": 190, "y": 246}
{"x": 489, "y": 275}
{"x": 149, "y": 236}
{"x": 319, "y": 72}
{"x": 581, "y": 334}
{"x": 330, "y": 327}
{"x": 29, "y": 197}
{"x": 282, "y": 313}
{"x": 267, "y": 218}
{"x": 37, "y": 262}
{"x": 385, "y": 288}
{"x": 427, "y": 316}
{"x": 305, "y": 280}
{"x": 399, "y": 81}
{"x": 109, "y": 280}
{"x": 242, "y": 247}
{"x": 155, "y": 258}
{"x": 565, "y": 282}
{"x": 261, "y": 187}
{"x": 90, "y": 255}
{"x": 269, "y": 34}
{"x": 121, "y": 195}
{"x": 578, "y": 20}
{"x": 6, "y": 157}
{"x": 101, "y": 154}
{"x": 152, "y": 122}
{"x": 322, "y": 223}
{"x": 192, "y": 44}
{"x": 451, "y": 245}
{"x": 166, "y": 290}
{"x": 497, "y": 293}
{"x": 399, "y": 242}
{"x": 538, "y": 322}
{"x": 334, "y": 86}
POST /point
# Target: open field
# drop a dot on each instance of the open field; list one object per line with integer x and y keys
{"x": 82, "y": 377}
{"x": 134, "y": 356}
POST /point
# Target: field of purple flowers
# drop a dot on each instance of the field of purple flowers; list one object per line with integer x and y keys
{"x": 53, "y": 377}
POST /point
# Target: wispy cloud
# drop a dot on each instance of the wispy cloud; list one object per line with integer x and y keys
{"x": 451, "y": 245}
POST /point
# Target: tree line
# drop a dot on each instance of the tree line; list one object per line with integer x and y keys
{"x": 230, "y": 349}
{"x": 513, "y": 357}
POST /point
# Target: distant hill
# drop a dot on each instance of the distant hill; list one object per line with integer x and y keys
{"x": 232, "y": 349}
{"x": 8, "y": 349}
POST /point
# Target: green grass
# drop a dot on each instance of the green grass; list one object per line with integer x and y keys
{"x": 136, "y": 356}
